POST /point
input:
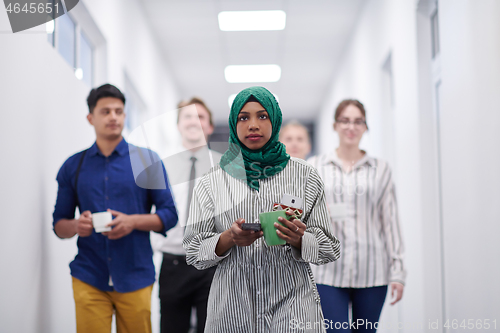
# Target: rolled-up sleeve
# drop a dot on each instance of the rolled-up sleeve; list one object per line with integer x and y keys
{"x": 319, "y": 245}
{"x": 66, "y": 199}
{"x": 201, "y": 236}
{"x": 389, "y": 216}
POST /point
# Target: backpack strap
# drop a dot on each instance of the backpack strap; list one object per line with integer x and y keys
{"x": 77, "y": 174}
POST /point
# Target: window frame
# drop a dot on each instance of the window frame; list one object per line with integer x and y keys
{"x": 86, "y": 28}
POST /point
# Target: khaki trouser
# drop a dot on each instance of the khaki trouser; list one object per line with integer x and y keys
{"x": 94, "y": 309}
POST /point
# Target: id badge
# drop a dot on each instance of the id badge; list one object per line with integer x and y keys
{"x": 338, "y": 211}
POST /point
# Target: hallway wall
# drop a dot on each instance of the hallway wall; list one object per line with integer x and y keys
{"x": 470, "y": 120}
{"x": 44, "y": 109}
{"x": 383, "y": 49}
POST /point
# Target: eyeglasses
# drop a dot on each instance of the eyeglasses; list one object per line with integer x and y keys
{"x": 346, "y": 122}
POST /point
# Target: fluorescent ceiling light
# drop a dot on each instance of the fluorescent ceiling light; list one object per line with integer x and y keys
{"x": 252, "y": 73}
{"x": 233, "y": 96}
{"x": 252, "y": 20}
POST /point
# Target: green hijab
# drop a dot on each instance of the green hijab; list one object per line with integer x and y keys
{"x": 252, "y": 165}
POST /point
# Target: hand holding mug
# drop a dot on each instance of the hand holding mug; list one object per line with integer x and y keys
{"x": 84, "y": 224}
{"x": 292, "y": 231}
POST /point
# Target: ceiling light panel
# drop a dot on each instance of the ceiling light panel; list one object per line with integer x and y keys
{"x": 252, "y": 73}
{"x": 252, "y": 20}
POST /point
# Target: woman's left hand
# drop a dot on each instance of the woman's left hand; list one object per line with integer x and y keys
{"x": 397, "y": 288}
{"x": 292, "y": 231}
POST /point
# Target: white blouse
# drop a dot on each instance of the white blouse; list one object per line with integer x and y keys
{"x": 364, "y": 215}
{"x": 260, "y": 288}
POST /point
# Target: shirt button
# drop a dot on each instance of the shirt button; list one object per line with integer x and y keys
{"x": 258, "y": 316}
{"x": 258, "y": 292}
{"x": 258, "y": 267}
{"x": 175, "y": 262}
{"x": 107, "y": 198}
{"x": 106, "y": 179}
{"x": 109, "y": 258}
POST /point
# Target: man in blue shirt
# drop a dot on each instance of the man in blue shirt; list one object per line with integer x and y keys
{"x": 113, "y": 270}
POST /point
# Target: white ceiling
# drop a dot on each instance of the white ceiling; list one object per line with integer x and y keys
{"x": 308, "y": 49}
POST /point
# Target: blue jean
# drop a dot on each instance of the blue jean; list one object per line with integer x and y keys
{"x": 366, "y": 304}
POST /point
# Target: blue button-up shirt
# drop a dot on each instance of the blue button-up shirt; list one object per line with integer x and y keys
{"x": 109, "y": 182}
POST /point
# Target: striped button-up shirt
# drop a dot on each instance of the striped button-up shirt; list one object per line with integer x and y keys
{"x": 260, "y": 288}
{"x": 364, "y": 215}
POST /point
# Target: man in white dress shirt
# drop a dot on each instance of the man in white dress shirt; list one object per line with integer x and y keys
{"x": 183, "y": 287}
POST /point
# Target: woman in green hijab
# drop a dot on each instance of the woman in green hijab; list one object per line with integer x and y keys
{"x": 257, "y": 287}
{"x": 264, "y": 152}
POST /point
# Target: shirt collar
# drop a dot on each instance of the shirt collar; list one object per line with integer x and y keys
{"x": 93, "y": 150}
{"x": 200, "y": 153}
{"x": 333, "y": 158}
{"x": 121, "y": 149}
{"x": 185, "y": 153}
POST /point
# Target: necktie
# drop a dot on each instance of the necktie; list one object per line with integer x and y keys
{"x": 191, "y": 186}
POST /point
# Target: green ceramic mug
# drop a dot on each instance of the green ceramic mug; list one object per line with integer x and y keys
{"x": 267, "y": 222}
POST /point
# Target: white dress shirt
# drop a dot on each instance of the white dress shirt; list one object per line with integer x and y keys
{"x": 178, "y": 169}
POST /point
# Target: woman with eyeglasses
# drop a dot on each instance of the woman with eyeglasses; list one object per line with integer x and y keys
{"x": 257, "y": 287}
{"x": 363, "y": 208}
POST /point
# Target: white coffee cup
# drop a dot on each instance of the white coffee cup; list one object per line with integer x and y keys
{"x": 100, "y": 221}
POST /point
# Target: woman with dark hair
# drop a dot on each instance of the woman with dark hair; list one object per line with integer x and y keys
{"x": 257, "y": 287}
{"x": 361, "y": 198}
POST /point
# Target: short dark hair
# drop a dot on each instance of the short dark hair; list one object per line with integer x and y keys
{"x": 106, "y": 90}
{"x": 194, "y": 100}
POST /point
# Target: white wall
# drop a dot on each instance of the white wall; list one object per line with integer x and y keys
{"x": 429, "y": 74}
{"x": 43, "y": 108}
{"x": 470, "y": 120}
{"x": 387, "y": 27}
